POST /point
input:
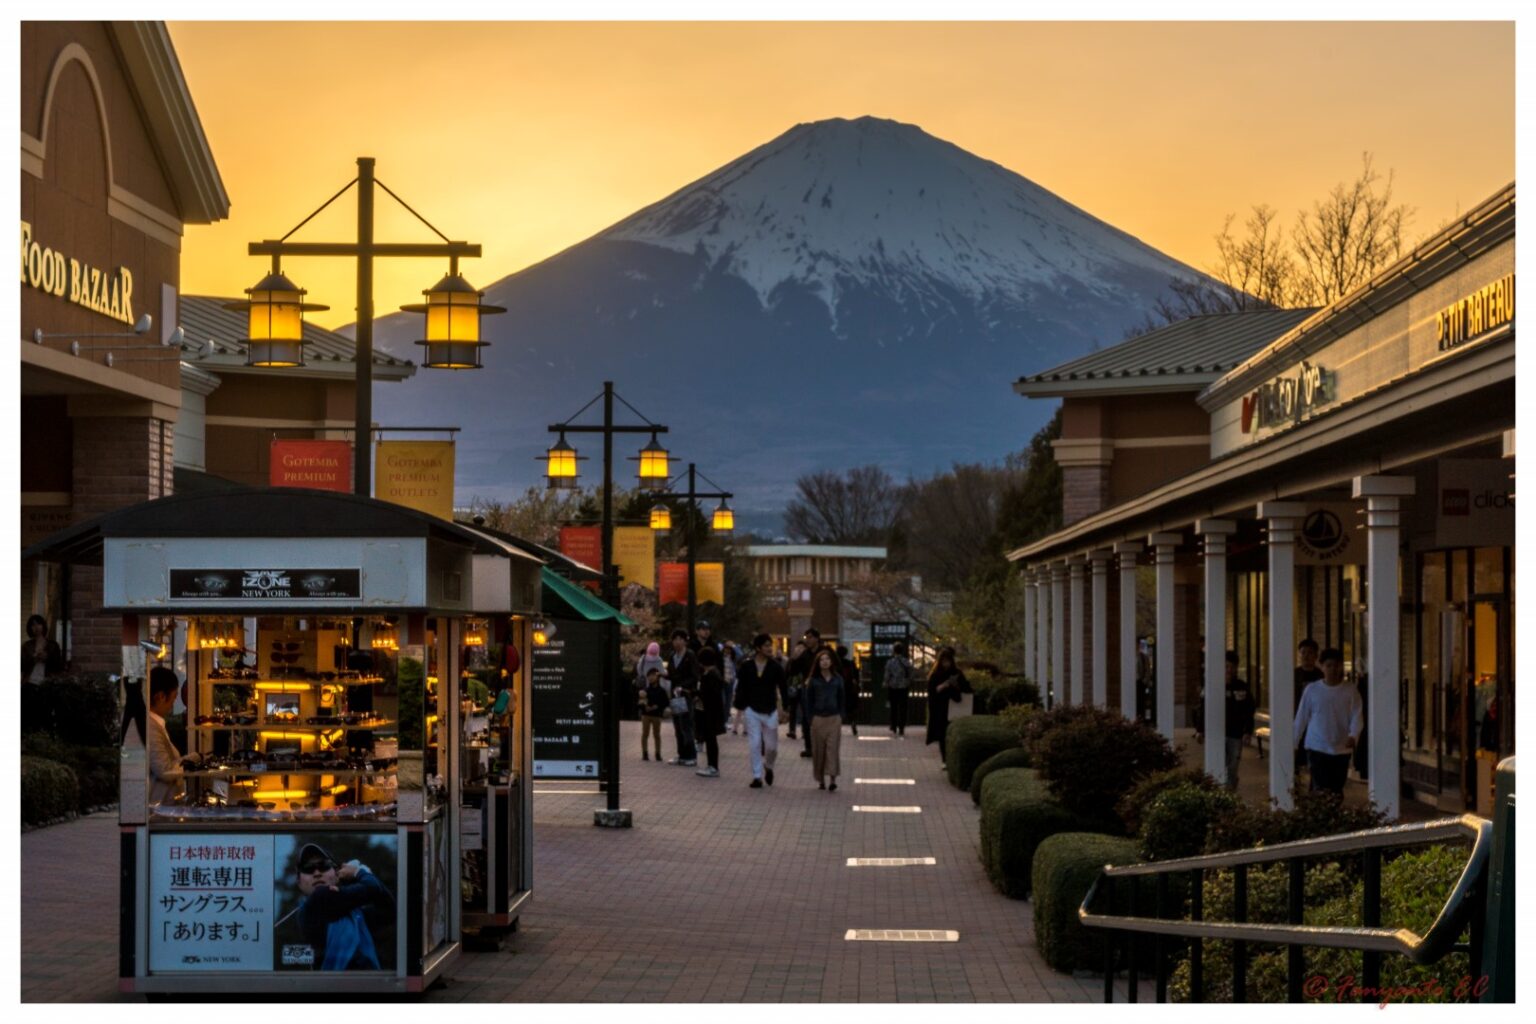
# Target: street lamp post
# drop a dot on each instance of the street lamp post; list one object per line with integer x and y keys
{"x": 723, "y": 520}
{"x": 276, "y": 306}
{"x": 562, "y": 473}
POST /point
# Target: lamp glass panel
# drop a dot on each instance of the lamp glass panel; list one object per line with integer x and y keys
{"x": 453, "y": 321}
{"x": 653, "y": 465}
{"x": 562, "y": 463}
{"x": 276, "y": 320}
{"x": 661, "y": 518}
{"x": 724, "y": 520}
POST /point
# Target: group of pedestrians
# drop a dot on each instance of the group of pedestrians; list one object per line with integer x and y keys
{"x": 708, "y": 689}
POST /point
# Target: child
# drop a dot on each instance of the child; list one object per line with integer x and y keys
{"x": 653, "y": 704}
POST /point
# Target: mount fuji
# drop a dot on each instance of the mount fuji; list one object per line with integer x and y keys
{"x": 852, "y": 291}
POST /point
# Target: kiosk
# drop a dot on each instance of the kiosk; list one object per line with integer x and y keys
{"x": 309, "y": 839}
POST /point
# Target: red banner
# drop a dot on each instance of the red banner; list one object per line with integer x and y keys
{"x": 672, "y": 583}
{"x": 585, "y": 544}
{"x": 315, "y": 465}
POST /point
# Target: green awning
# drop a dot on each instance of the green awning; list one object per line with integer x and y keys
{"x": 562, "y": 597}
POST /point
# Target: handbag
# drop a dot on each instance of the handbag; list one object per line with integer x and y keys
{"x": 679, "y": 705}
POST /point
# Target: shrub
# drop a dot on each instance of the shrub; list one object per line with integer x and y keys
{"x": 49, "y": 791}
{"x": 994, "y": 693}
{"x": 1179, "y": 820}
{"x": 1035, "y": 727}
{"x": 80, "y": 709}
{"x": 1135, "y": 803}
{"x": 1017, "y": 814}
{"x": 1093, "y": 759}
{"x": 1414, "y": 887}
{"x": 1066, "y": 865}
{"x": 970, "y": 741}
{"x": 1013, "y": 757}
{"x": 1315, "y": 814}
{"x": 1018, "y": 716}
{"x": 95, "y": 768}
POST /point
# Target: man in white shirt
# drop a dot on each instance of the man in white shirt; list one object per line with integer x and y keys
{"x": 1328, "y": 724}
{"x": 165, "y": 776}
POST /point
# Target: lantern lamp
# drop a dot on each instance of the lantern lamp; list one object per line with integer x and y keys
{"x": 724, "y": 519}
{"x": 561, "y": 469}
{"x": 654, "y": 467}
{"x": 453, "y": 310}
{"x": 275, "y": 330}
{"x": 661, "y": 517}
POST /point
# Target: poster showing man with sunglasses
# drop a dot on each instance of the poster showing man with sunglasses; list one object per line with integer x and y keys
{"x": 336, "y": 894}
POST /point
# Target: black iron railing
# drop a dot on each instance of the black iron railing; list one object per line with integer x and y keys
{"x": 1167, "y": 927}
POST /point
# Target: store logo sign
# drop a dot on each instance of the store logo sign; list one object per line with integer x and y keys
{"x": 1465, "y": 319}
{"x": 1286, "y": 401}
{"x": 109, "y": 293}
{"x": 265, "y": 584}
{"x": 1323, "y": 535}
{"x": 1455, "y": 501}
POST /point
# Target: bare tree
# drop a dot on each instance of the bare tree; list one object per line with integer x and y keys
{"x": 950, "y": 524}
{"x": 1349, "y": 236}
{"x": 859, "y": 507}
{"x": 1256, "y": 271}
{"x": 536, "y": 516}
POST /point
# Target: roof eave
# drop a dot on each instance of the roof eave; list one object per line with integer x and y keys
{"x": 150, "y": 60}
{"x": 1152, "y": 383}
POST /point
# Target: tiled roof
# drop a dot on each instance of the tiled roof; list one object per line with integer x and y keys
{"x": 204, "y": 317}
{"x": 1192, "y": 352}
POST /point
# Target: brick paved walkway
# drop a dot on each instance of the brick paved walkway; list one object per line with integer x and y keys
{"x": 720, "y": 893}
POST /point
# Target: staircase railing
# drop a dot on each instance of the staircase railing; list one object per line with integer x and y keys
{"x": 1465, "y": 905}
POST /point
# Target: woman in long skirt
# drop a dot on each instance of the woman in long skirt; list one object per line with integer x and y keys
{"x": 825, "y": 703}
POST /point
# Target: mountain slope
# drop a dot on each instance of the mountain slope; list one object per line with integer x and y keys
{"x": 850, "y": 292}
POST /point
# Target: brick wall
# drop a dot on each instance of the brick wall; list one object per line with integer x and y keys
{"x": 118, "y": 461}
{"x": 1084, "y": 491}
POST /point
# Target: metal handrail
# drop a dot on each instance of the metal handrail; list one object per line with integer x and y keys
{"x": 1431, "y": 946}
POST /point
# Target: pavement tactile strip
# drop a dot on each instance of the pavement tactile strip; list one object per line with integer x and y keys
{"x": 900, "y": 935}
{"x": 891, "y": 862}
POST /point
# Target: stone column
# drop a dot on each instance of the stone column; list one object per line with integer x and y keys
{"x": 1100, "y": 642}
{"x": 1059, "y": 633}
{"x": 1043, "y": 634}
{"x": 1076, "y": 654}
{"x": 1029, "y": 620}
{"x": 1284, "y": 520}
{"x": 1383, "y": 525}
{"x": 1165, "y": 544}
{"x": 1128, "y": 552}
{"x": 1215, "y": 532}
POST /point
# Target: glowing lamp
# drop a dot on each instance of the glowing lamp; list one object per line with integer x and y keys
{"x": 453, "y": 310}
{"x": 724, "y": 519}
{"x": 654, "y": 467}
{"x": 661, "y": 518}
{"x": 275, "y": 329}
{"x": 561, "y": 468}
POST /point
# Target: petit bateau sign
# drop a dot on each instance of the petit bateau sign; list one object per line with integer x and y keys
{"x": 1491, "y": 306}
{"x": 109, "y": 293}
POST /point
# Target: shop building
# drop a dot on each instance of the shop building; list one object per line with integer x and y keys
{"x": 1366, "y": 449}
{"x": 800, "y": 582}
{"x": 114, "y": 167}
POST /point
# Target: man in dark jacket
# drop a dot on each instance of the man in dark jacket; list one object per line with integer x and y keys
{"x": 683, "y": 673}
{"x": 1240, "y": 710}
{"x": 802, "y": 668}
{"x": 760, "y": 685}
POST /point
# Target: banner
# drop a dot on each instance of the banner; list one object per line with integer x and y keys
{"x": 316, "y": 465}
{"x": 634, "y": 552}
{"x": 416, "y": 474}
{"x": 1475, "y": 506}
{"x": 672, "y": 583}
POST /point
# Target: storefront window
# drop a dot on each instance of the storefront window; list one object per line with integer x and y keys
{"x": 1488, "y": 571}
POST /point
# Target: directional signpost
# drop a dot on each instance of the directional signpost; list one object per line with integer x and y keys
{"x": 567, "y": 704}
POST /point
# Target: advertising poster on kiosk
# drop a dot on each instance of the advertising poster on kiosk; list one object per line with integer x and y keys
{"x": 567, "y": 702}
{"x": 334, "y": 894}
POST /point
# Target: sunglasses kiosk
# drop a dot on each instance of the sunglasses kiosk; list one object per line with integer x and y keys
{"x": 340, "y": 780}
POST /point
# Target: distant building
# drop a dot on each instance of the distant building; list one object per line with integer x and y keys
{"x": 799, "y": 584}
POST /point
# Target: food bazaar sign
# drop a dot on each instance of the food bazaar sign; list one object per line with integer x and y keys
{"x": 109, "y": 293}
{"x": 1286, "y": 401}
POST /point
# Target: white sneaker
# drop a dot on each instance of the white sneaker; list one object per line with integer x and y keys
{"x": 708, "y": 773}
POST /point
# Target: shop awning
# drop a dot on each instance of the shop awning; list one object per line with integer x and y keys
{"x": 562, "y": 597}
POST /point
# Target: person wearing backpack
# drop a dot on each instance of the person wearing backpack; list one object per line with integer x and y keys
{"x": 898, "y": 678}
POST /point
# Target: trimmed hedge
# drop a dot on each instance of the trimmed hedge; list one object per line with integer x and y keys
{"x": 1017, "y": 814}
{"x": 1180, "y": 818}
{"x": 1013, "y": 757}
{"x": 1139, "y": 799}
{"x": 1094, "y": 758}
{"x": 95, "y": 768}
{"x": 49, "y": 791}
{"x": 992, "y": 694}
{"x": 970, "y": 741}
{"x": 79, "y": 709}
{"x": 1066, "y": 865}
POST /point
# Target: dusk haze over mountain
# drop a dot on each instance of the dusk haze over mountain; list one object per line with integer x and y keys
{"x": 852, "y": 291}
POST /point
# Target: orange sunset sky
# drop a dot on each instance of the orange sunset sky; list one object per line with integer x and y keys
{"x": 530, "y": 137}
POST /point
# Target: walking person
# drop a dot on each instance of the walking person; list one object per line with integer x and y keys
{"x": 1328, "y": 724}
{"x": 796, "y": 677}
{"x": 1240, "y": 712}
{"x": 1307, "y": 671}
{"x": 760, "y": 684}
{"x": 683, "y": 673}
{"x": 805, "y": 666}
{"x": 730, "y": 656}
{"x": 653, "y": 706}
{"x": 709, "y": 710}
{"x": 850, "y": 689}
{"x": 945, "y": 685}
{"x": 898, "y": 678}
{"x": 825, "y": 705}
{"x": 643, "y": 664}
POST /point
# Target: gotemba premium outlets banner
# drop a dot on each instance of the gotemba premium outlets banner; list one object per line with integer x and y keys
{"x": 316, "y": 465}
{"x": 416, "y": 474}
{"x": 708, "y": 583}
